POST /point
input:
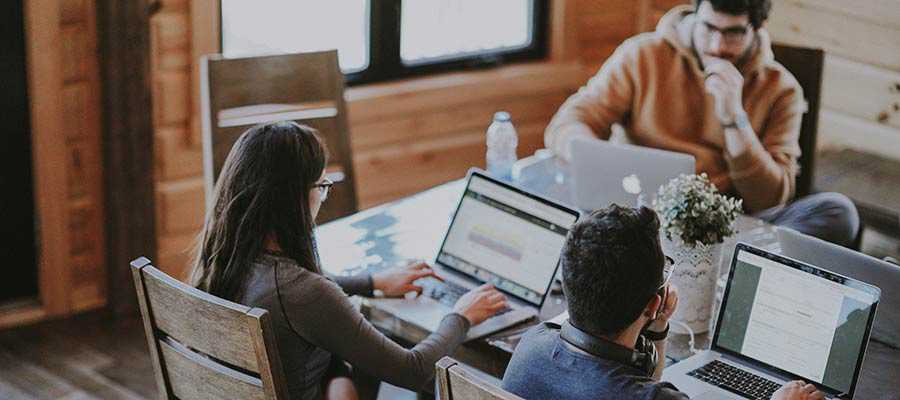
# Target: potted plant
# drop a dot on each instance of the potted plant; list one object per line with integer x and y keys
{"x": 694, "y": 220}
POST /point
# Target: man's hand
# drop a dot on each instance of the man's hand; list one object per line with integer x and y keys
{"x": 662, "y": 319}
{"x": 398, "y": 281}
{"x": 726, "y": 85}
{"x": 798, "y": 390}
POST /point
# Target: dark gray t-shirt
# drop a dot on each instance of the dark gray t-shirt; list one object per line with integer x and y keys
{"x": 544, "y": 367}
{"x": 318, "y": 322}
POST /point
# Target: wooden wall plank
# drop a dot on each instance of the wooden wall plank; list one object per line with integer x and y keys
{"x": 176, "y": 156}
{"x": 882, "y": 12}
{"x": 862, "y": 91}
{"x": 794, "y": 23}
{"x": 43, "y": 50}
{"x": 180, "y": 205}
{"x": 836, "y": 128}
{"x": 74, "y": 54}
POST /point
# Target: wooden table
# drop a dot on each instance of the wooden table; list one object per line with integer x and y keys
{"x": 412, "y": 228}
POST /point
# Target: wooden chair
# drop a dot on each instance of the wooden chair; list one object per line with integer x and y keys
{"x": 457, "y": 381}
{"x": 204, "y": 347}
{"x": 806, "y": 65}
{"x": 238, "y": 93}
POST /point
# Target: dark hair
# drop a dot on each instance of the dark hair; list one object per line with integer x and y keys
{"x": 612, "y": 266}
{"x": 756, "y": 10}
{"x": 262, "y": 191}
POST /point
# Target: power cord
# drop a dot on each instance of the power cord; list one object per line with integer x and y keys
{"x": 690, "y": 331}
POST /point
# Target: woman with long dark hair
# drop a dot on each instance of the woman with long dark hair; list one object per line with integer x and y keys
{"x": 257, "y": 248}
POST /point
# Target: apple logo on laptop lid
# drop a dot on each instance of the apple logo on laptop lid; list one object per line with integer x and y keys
{"x": 632, "y": 184}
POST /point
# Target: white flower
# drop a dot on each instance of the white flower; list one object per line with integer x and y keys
{"x": 692, "y": 210}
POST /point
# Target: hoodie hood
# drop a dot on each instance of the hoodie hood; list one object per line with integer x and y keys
{"x": 677, "y": 25}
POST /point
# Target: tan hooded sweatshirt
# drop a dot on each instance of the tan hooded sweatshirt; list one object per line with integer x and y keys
{"x": 653, "y": 85}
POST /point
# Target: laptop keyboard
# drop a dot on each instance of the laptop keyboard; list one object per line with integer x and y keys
{"x": 447, "y": 292}
{"x": 735, "y": 380}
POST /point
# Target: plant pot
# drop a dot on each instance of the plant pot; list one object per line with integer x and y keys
{"x": 696, "y": 272}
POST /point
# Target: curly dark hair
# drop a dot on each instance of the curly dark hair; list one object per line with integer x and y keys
{"x": 756, "y": 10}
{"x": 612, "y": 266}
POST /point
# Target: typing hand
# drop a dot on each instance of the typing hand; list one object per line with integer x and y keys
{"x": 480, "y": 304}
{"x": 668, "y": 309}
{"x": 726, "y": 85}
{"x": 397, "y": 281}
{"x": 798, "y": 390}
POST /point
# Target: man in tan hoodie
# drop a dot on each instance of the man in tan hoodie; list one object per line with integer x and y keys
{"x": 706, "y": 83}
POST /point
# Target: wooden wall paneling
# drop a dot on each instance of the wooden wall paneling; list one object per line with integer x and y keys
{"x": 799, "y": 23}
{"x": 72, "y": 11}
{"x": 74, "y": 99}
{"x": 418, "y": 126}
{"x": 180, "y": 205}
{"x": 44, "y": 83}
{"x": 176, "y": 157}
{"x": 838, "y": 128}
{"x": 563, "y": 33}
{"x": 384, "y": 100}
{"x": 382, "y": 175}
{"x": 862, "y": 91}
{"x": 204, "y": 18}
{"x": 171, "y": 97}
{"x": 176, "y": 252}
{"x": 128, "y": 140}
{"x": 881, "y": 12}
{"x": 74, "y": 52}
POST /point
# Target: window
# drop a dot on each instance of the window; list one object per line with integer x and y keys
{"x": 379, "y": 40}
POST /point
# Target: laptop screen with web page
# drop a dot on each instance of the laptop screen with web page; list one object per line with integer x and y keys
{"x": 507, "y": 237}
{"x": 796, "y": 318}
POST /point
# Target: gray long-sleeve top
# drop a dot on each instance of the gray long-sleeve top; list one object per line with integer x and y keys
{"x": 318, "y": 320}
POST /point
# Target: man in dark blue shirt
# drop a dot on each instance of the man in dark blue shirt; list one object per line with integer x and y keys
{"x": 615, "y": 278}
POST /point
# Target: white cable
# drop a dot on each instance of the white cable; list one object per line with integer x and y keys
{"x": 690, "y": 332}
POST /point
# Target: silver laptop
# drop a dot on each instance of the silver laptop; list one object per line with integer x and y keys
{"x": 856, "y": 265}
{"x": 781, "y": 320}
{"x": 604, "y": 173}
{"x": 498, "y": 234}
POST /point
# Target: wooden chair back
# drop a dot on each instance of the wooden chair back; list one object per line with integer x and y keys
{"x": 238, "y": 93}
{"x": 806, "y": 65}
{"x": 204, "y": 347}
{"x": 456, "y": 381}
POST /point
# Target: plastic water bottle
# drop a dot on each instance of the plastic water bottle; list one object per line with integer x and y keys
{"x": 501, "y": 146}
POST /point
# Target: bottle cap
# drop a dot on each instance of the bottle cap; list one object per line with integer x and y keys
{"x": 502, "y": 116}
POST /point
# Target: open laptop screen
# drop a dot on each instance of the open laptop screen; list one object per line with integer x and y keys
{"x": 797, "y": 318}
{"x": 507, "y": 237}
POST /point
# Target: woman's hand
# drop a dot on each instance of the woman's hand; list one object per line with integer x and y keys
{"x": 480, "y": 304}
{"x": 397, "y": 281}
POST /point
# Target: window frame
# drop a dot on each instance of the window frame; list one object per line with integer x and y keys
{"x": 386, "y": 64}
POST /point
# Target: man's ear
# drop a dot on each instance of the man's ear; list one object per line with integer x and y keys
{"x": 653, "y": 305}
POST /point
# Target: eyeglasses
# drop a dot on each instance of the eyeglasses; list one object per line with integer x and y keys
{"x": 668, "y": 269}
{"x": 324, "y": 187}
{"x": 731, "y": 35}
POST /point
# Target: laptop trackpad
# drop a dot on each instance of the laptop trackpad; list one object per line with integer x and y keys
{"x": 422, "y": 311}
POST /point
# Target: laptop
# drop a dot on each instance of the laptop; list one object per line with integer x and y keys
{"x": 856, "y": 265}
{"x": 604, "y": 173}
{"x": 499, "y": 234}
{"x": 781, "y": 320}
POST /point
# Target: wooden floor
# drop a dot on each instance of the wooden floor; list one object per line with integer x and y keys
{"x": 86, "y": 357}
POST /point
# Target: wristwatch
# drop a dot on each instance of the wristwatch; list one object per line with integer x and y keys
{"x": 740, "y": 121}
{"x": 656, "y": 336}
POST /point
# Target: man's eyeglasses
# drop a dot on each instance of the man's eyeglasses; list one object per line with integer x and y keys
{"x": 324, "y": 187}
{"x": 730, "y": 35}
